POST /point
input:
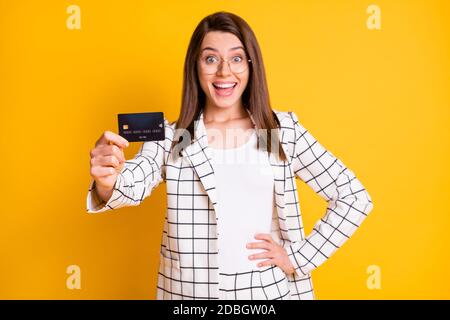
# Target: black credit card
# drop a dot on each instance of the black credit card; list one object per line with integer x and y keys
{"x": 146, "y": 126}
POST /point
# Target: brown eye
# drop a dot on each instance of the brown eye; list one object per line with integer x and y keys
{"x": 237, "y": 59}
{"x": 210, "y": 59}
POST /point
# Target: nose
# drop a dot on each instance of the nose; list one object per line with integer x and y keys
{"x": 223, "y": 69}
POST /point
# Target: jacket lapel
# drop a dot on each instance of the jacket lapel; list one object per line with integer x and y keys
{"x": 280, "y": 171}
{"x": 198, "y": 154}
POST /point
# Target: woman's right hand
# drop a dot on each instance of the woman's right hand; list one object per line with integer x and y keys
{"x": 107, "y": 161}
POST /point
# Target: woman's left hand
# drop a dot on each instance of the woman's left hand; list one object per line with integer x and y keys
{"x": 275, "y": 253}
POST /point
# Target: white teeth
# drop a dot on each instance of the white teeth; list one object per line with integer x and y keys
{"x": 224, "y": 85}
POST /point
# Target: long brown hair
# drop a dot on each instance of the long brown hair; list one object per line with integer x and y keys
{"x": 255, "y": 96}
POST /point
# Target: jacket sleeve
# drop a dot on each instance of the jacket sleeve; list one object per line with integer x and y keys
{"x": 135, "y": 182}
{"x": 348, "y": 201}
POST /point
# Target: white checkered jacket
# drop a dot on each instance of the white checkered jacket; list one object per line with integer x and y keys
{"x": 188, "y": 258}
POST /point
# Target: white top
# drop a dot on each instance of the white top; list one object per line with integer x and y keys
{"x": 245, "y": 203}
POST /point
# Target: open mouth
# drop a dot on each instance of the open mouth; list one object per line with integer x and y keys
{"x": 224, "y": 88}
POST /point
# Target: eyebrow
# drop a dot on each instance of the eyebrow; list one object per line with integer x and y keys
{"x": 214, "y": 49}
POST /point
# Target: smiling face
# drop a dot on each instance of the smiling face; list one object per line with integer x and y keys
{"x": 223, "y": 87}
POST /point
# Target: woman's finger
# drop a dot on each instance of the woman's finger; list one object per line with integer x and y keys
{"x": 113, "y": 150}
{"x": 259, "y": 245}
{"x": 105, "y": 161}
{"x": 110, "y": 161}
{"x": 264, "y": 236}
{"x": 266, "y": 263}
{"x": 261, "y": 255}
{"x": 98, "y": 171}
{"x": 109, "y": 137}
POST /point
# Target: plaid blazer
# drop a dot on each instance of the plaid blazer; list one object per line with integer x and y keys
{"x": 188, "y": 257}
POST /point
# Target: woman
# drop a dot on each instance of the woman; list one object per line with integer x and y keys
{"x": 232, "y": 230}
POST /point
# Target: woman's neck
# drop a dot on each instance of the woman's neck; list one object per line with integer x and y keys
{"x": 213, "y": 113}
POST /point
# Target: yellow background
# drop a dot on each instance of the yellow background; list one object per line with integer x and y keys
{"x": 377, "y": 99}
